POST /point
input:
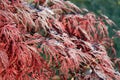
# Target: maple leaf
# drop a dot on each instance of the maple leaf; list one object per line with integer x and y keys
{"x": 53, "y": 40}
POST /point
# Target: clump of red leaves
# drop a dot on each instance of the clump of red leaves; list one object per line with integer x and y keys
{"x": 53, "y": 37}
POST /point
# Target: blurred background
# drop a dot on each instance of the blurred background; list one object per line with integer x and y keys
{"x": 110, "y": 8}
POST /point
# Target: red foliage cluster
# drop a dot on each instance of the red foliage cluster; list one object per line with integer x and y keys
{"x": 54, "y": 38}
